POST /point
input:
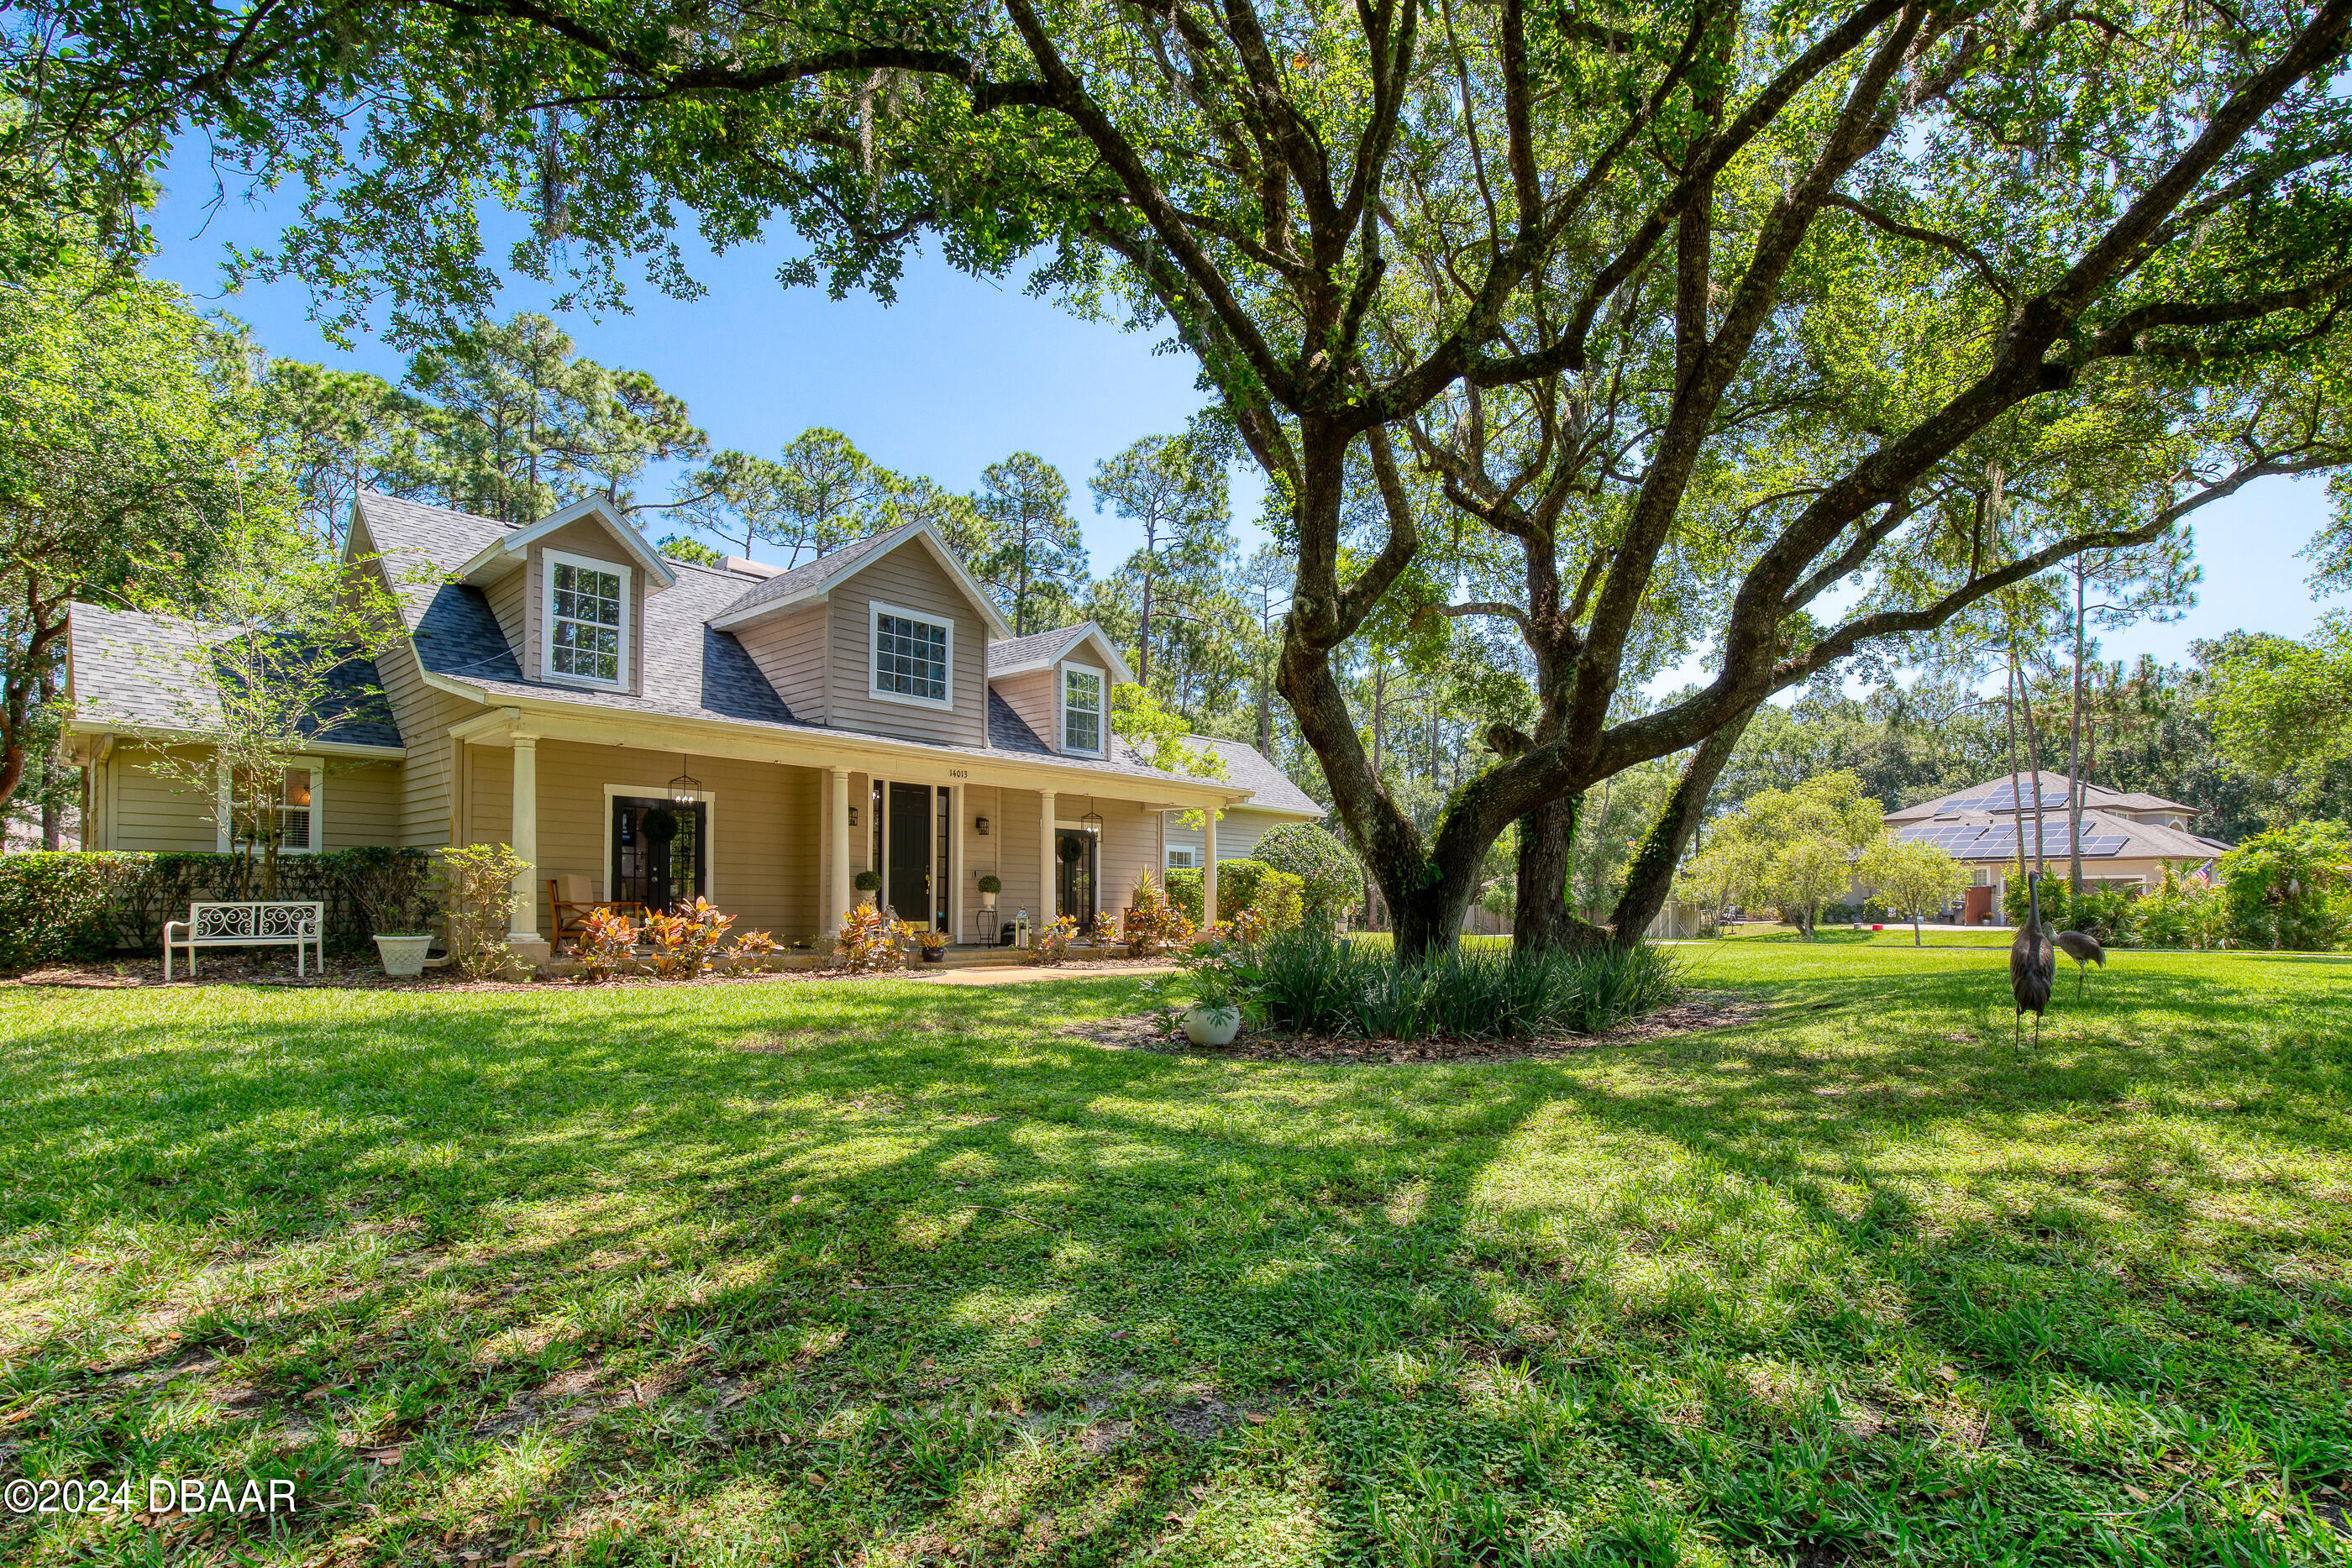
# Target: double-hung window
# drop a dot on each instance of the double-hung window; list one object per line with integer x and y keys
{"x": 1082, "y": 701}
{"x": 296, "y": 809}
{"x": 912, "y": 654}
{"x": 587, "y": 630}
{"x": 1180, "y": 860}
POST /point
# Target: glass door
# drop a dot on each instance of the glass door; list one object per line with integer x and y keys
{"x": 658, "y": 854}
{"x": 1075, "y": 881}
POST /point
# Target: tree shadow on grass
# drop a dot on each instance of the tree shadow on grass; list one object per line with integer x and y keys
{"x": 916, "y": 1230}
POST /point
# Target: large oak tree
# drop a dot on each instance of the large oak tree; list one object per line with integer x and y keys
{"x": 1852, "y": 241}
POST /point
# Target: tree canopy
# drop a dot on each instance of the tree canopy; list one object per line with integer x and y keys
{"x": 1694, "y": 314}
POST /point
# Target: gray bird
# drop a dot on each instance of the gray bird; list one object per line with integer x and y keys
{"x": 2084, "y": 948}
{"x": 2032, "y": 963}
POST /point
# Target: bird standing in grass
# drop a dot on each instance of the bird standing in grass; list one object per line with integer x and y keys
{"x": 2032, "y": 963}
{"x": 2084, "y": 948}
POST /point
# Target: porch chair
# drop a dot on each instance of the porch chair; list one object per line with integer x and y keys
{"x": 572, "y": 900}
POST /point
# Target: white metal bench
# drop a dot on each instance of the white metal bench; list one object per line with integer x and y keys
{"x": 302, "y": 927}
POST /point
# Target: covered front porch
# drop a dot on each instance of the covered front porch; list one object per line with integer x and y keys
{"x": 776, "y": 831}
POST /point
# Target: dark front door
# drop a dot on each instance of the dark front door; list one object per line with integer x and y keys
{"x": 658, "y": 862}
{"x": 1075, "y": 894}
{"x": 909, "y": 886}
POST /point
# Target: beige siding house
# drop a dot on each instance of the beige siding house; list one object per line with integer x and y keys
{"x": 559, "y": 681}
{"x": 2129, "y": 840}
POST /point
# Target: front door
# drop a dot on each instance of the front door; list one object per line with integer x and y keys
{"x": 1075, "y": 889}
{"x": 907, "y": 885}
{"x": 659, "y": 852}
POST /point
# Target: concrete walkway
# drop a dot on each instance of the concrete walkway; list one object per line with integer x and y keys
{"x": 1011, "y": 975}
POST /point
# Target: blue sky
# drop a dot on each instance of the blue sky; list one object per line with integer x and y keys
{"x": 961, "y": 372}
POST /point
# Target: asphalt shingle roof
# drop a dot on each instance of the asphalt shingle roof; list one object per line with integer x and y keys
{"x": 1994, "y": 795}
{"x": 148, "y": 672}
{"x": 690, "y": 670}
{"x": 823, "y": 570}
{"x": 1036, "y": 648}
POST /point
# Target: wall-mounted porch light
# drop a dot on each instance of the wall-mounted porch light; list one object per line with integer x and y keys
{"x": 981, "y": 823}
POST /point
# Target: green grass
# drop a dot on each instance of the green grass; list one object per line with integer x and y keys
{"x": 1894, "y": 936}
{"x": 922, "y": 1280}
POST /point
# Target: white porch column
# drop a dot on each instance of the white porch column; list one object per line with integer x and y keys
{"x": 1209, "y": 867}
{"x": 836, "y": 871}
{"x": 1048, "y": 847}
{"x": 524, "y": 839}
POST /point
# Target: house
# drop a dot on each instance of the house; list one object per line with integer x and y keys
{"x": 2129, "y": 840}
{"x": 559, "y": 680}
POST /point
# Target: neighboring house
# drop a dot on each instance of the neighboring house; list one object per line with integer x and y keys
{"x": 558, "y": 680}
{"x": 2127, "y": 839}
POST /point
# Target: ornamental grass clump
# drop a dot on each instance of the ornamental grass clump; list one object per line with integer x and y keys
{"x": 1307, "y": 983}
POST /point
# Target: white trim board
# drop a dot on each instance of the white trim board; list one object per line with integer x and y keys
{"x": 875, "y": 609}
{"x": 552, "y": 559}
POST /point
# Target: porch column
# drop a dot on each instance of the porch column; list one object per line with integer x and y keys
{"x": 525, "y": 839}
{"x": 836, "y": 871}
{"x": 1209, "y": 867}
{"x": 1048, "y": 859}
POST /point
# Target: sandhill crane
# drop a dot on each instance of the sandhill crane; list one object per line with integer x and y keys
{"x": 2084, "y": 948}
{"x": 2032, "y": 963}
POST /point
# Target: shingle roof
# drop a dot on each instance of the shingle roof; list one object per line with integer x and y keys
{"x": 148, "y": 672}
{"x": 1036, "y": 648}
{"x": 823, "y": 570}
{"x": 1982, "y": 837}
{"x": 1994, "y": 795}
{"x": 690, "y": 670}
{"x": 1270, "y": 788}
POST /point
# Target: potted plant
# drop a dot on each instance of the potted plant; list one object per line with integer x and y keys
{"x": 1219, "y": 973}
{"x": 868, "y": 882}
{"x": 392, "y": 888}
{"x": 933, "y": 943}
{"x": 990, "y": 884}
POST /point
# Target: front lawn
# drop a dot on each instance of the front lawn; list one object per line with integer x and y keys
{"x": 880, "y": 1272}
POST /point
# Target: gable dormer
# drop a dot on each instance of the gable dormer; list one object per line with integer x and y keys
{"x": 887, "y": 634}
{"x": 1059, "y": 684}
{"x": 569, "y": 593}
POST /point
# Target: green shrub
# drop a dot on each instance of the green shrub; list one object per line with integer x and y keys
{"x": 1305, "y": 982}
{"x": 2290, "y": 888}
{"x": 1329, "y": 877}
{"x": 57, "y": 905}
{"x": 46, "y": 899}
{"x": 1237, "y": 885}
{"x": 2183, "y": 912}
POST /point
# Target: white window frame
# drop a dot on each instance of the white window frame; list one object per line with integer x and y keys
{"x": 875, "y": 611}
{"x": 222, "y": 813}
{"x": 549, "y": 560}
{"x": 1187, "y": 851}
{"x": 1062, "y": 707}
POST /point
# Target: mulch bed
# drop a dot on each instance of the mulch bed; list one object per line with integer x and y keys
{"x": 1693, "y": 1015}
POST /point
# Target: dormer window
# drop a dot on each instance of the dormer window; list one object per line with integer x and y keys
{"x": 913, "y": 656}
{"x": 587, "y": 625}
{"x": 1082, "y": 698}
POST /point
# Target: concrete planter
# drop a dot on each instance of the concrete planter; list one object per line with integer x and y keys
{"x": 404, "y": 957}
{"x": 1211, "y": 1026}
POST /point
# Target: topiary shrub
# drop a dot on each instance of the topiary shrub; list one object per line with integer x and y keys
{"x": 1329, "y": 877}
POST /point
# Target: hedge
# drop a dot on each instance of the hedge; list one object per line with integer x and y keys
{"x": 1329, "y": 875}
{"x": 1239, "y": 883}
{"x": 63, "y": 905}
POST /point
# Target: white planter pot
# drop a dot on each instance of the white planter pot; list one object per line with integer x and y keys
{"x": 404, "y": 956}
{"x": 1211, "y": 1026}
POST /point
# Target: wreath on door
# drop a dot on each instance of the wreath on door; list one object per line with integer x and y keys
{"x": 1072, "y": 849}
{"x": 658, "y": 825}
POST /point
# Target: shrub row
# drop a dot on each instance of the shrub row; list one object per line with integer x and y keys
{"x": 1278, "y": 896}
{"x": 2290, "y": 888}
{"x": 1306, "y": 982}
{"x": 84, "y": 904}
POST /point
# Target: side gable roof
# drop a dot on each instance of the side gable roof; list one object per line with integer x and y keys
{"x": 1994, "y": 795}
{"x": 126, "y": 670}
{"x": 1041, "y": 650}
{"x": 811, "y": 579}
